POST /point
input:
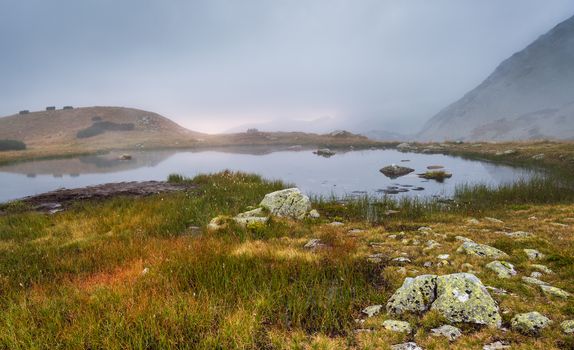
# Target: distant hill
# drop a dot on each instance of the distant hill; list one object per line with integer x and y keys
{"x": 93, "y": 128}
{"x": 529, "y": 96}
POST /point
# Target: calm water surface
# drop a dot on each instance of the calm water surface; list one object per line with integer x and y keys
{"x": 348, "y": 173}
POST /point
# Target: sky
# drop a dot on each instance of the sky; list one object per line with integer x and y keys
{"x": 216, "y": 65}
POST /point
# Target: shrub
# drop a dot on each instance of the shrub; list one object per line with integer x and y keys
{"x": 12, "y": 145}
{"x": 101, "y": 127}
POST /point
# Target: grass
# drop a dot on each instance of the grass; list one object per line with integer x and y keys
{"x": 134, "y": 273}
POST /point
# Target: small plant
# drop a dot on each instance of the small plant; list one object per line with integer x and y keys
{"x": 176, "y": 179}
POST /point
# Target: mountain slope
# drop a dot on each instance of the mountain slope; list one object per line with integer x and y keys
{"x": 529, "y": 96}
{"x": 93, "y": 128}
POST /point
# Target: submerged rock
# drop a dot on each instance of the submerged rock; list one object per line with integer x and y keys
{"x": 324, "y": 152}
{"x": 530, "y": 323}
{"x": 393, "y": 171}
{"x": 287, "y": 203}
{"x": 461, "y": 297}
{"x": 502, "y": 268}
{"x": 447, "y": 331}
{"x": 397, "y": 326}
{"x": 481, "y": 250}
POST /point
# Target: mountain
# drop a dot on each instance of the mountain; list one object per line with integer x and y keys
{"x": 93, "y": 128}
{"x": 383, "y": 135}
{"x": 529, "y": 96}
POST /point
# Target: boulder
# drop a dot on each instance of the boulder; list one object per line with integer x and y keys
{"x": 415, "y": 295}
{"x": 393, "y": 171}
{"x": 567, "y": 326}
{"x": 397, "y": 326}
{"x": 533, "y": 254}
{"x": 502, "y": 268}
{"x": 481, "y": 250}
{"x": 447, "y": 331}
{"x": 534, "y": 281}
{"x": 287, "y": 203}
{"x": 461, "y": 297}
{"x": 542, "y": 268}
{"x": 530, "y": 323}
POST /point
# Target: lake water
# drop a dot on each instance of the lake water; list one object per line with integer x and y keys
{"x": 345, "y": 173}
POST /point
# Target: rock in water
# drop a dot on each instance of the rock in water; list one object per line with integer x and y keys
{"x": 394, "y": 171}
{"x": 530, "y": 323}
{"x": 461, "y": 297}
{"x": 287, "y": 203}
{"x": 415, "y": 295}
{"x": 481, "y": 250}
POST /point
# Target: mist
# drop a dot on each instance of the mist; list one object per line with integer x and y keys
{"x": 220, "y": 65}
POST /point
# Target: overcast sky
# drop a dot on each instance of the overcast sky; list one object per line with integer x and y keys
{"x": 215, "y": 64}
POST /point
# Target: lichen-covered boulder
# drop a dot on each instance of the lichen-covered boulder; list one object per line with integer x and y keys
{"x": 481, "y": 250}
{"x": 554, "y": 291}
{"x": 415, "y": 295}
{"x": 447, "y": 331}
{"x": 567, "y": 326}
{"x": 502, "y": 268}
{"x": 530, "y": 323}
{"x": 533, "y": 281}
{"x": 397, "y": 326}
{"x": 255, "y": 216}
{"x": 287, "y": 203}
{"x": 461, "y": 297}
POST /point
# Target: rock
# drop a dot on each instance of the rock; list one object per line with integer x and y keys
{"x": 472, "y": 221}
{"x": 463, "y": 239}
{"x": 406, "y": 346}
{"x": 324, "y": 152}
{"x": 403, "y": 146}
{"x": 554, "y": 291}
{"x": 393, "y": 171}
{"x": 542, "y": 268}
{"x": 217, "y": 223}
{"x": 447, "y": 331}
{"x": 431, "y": 244}
{"x": 536, "y": 274}
{"x": 498, "y": 345}
{"x": 567, "y": 326}
{"x": 145, "y": 271}
{"x": 424, "y": 229}
{"x": 498, "y": 291}
{"x": 530, "y": 323}
{"x": 415, "y": 295}
{"x": 287, "y": 203}
{"x": 461, "y": 297}
{"x": 533, "y": 281}
{"x": 502, "y": 268}
{"x": 533, "y": 254}
{"x": 506, "y": 153}
{"x": 314, "y": 214}
{"x": 435, "y": 167}
{"x": 125, "y": 156}
{"x": 372, "y": 310}
{"x": 481, "y": 250}
{"x": 397, "y": 326}
{"x": 250, "y": 217}
{"x": 494, "y": 220}
{"x": 313, "y": 243}
{"x": 427, "y": 264}
{"x": 538, "y": 156}
{"x": 443, "y": 256}
{"x": 518, "y": 234}
{"x": 355, "y": 231}
{"x": 402, "y": 260}
{"x": 336, "y": 223}
{"x": 467, "y": 266}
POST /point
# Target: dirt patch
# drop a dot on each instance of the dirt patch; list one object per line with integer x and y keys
{"x": 59, "y": 200}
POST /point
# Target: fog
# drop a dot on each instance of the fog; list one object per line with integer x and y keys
{"x": 219, "y": 65}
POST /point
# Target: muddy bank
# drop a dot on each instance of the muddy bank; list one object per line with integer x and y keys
{"x": 59, "y": 200}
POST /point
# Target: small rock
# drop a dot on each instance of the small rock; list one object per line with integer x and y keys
{"x": 554, "y": 291}
{"x": 481, "y": 250}
{"x": 336, "y": 223}
{"x": 427, "y": 264}
{"x": 502, "y": 268}
{"x": 494, "y": 220}
{"x": 533, "y": 218}
{"x": 355, "y": 231}
{"x": 372, "y": 310}
{"x": 536, "y": 274}
{"x": 498, "y": 345}
{"x": 402, "y": 259}
{"x": 533, "y": 254}
{"x": 538, "y": 156}
{"x": 251, "y": 216}
{"x": 498, "y": 291}
{"x": 431, "y": 244}
{"x": 467, "y": 266}
{"x": 567, "y": 326}
{"x": 443, "y": 256}
{"x": 314, "y": 214}
{"x": 217, "y": 223}
{"x": 406, "y": 346}
{"x": 533, "y": 281}
{"x": 518, "y": 234}
{"x": 397, "y": 326}
{"x": 391, "y": 212}
{"x": 145, "y": 271}
{"x": 472, "y": 221}
{"x": 447, "y": 331}
{"x": 463, "y": 239}
{"x": 313, "y": 244}
{"x": 424, "y": 229}
{"x": 542, "y": 268}
{"x": 530, "y": 323}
